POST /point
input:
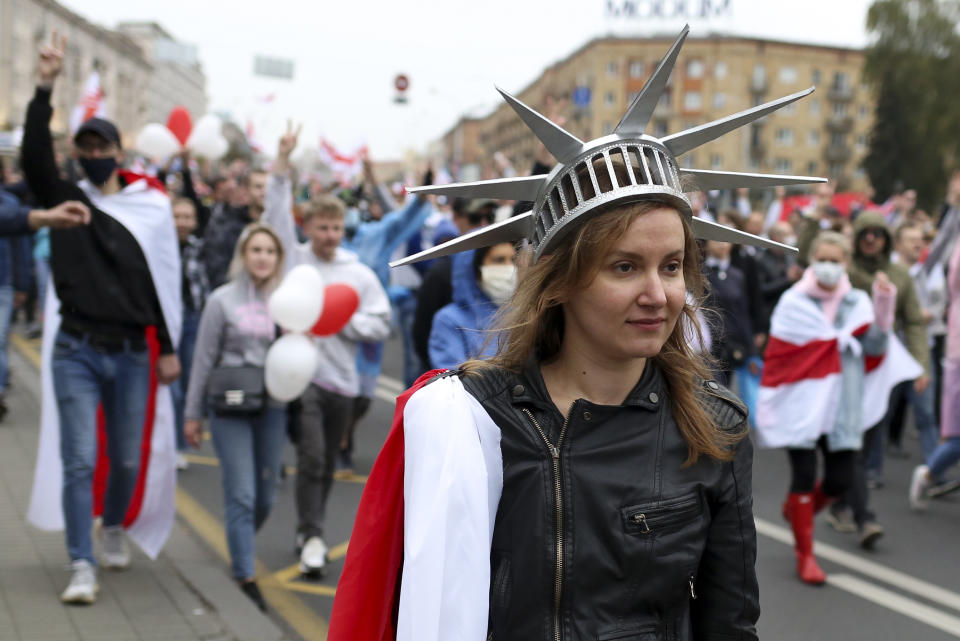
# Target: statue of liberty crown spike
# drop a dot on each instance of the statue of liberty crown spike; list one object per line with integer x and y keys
{"x": 623, "y": 167}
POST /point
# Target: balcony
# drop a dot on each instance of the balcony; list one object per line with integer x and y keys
{"x": 837, "y": 154}
{"x": 840, "y": 123}
{"x": 840, "y": 94}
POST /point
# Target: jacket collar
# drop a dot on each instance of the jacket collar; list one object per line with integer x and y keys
{"x": 528, "y": 387}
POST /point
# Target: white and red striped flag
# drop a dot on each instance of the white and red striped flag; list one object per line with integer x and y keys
{"x": 91, "y": 105}
{"x": 345, "y": 167}
{"x": 801, "y": 385}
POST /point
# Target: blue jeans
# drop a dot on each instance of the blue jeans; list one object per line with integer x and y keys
{"x": 942, "y": 458}
{"x": 250, "y": 449}
{"x": 6, "y": 314}
{"x": 188, "y": 341}
{"x": 926, "y": 422}
{"x": 83, "y": 378}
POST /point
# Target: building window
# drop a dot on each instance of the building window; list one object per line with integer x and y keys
{"x": 784, "y": 165}
{"x": 665, "y": 99}
{"x": 814, "y": 107}
{"x": 838, "y": 139}
{"x": 759, "y": 74}
{"x": 835, "y": 170}
{"x": 660, "y": 128}
{"x": 813, "y": 138}
{"x": 841, "y": 80}
{"x": 612, "y": 68}
{"x": 788, "y": 75}
{"x": 609, "y": 99}
{"x": 839, "y": 109}
{"x": 636, "y": 69}
{"x": 864, "y": 112}
{"x": 817, "y": 77}
{"x": 719, "y": 100}
{"x": 695, "y": 69}
{"x": 692, "y": 101}
{"x": 861, "y": 142}
{"x": 785, "y": 137}
{"x": 812, "y": 168}
{"x": 688, "y": 161}
{"x": 716, "y": 161}
{"x": 754, "y": 165}
{"x": 720, "y": 70}
{"x": 632, "y": 96}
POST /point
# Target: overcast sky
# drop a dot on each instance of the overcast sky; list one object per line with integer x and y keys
{"x": 347, "y": 53}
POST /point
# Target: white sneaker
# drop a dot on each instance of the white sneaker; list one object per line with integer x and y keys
{"x": 116, "y": 552}
{"x": 918, "y": 488}
{"x": 182, "y": 462}
{"x": 313, "y": 557}
{"x": 83, "y": 586}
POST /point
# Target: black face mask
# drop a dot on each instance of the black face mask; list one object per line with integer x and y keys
{"x": 98, "y": 170}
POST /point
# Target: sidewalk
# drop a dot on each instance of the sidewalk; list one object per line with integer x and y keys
{"x": 185, "y": 595}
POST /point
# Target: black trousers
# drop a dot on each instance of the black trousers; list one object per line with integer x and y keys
{"x": 837, "y": 469}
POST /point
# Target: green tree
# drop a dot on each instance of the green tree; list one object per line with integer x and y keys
{"x": 913, "y": 65}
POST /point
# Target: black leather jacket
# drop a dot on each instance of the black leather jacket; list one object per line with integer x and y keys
{"x": 602, "y": 534}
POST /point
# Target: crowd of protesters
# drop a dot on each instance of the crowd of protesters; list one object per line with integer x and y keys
{"x": 238, "y": 227}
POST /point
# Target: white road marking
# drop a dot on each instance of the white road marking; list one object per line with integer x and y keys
{"x": 387, "y": 395}
{"x": 893, "y": 601}
{"x": 391, "y": 383}
{"x": 872, "y": 569}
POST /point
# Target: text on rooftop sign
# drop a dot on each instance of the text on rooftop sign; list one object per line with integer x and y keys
{"x": 689, "y": 9}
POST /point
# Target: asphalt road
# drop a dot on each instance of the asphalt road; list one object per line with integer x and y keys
{"x": 907, "y": 589}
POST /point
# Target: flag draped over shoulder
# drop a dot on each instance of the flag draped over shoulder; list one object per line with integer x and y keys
{"x": 418, "y": 565}
{"x": 801, "y": 385}
{"x": 144, "y": 210}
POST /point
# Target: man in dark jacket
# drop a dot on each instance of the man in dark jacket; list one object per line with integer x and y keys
{"x": 227, "y": 222}
{"x": 108, "y": 299}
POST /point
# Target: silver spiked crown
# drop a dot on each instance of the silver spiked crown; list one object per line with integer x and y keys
{"x": 623, "y": 167}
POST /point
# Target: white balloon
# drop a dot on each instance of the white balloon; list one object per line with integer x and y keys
{"x": 206, "y": 138}
{"x": 306, "y": 276}
{"x": 290, "y": 366}
{"x": 157, "y": 142}
{"x": 294, "y": 307}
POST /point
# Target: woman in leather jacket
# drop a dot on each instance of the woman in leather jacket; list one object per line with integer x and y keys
{"x": 614, "y": 496}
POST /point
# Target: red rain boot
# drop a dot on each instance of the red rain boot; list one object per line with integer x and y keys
{"x": 800, "y": 508}
{"x": 821, "y": 500}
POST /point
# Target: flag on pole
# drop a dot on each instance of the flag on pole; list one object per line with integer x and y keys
{"x": 91, "y": 105}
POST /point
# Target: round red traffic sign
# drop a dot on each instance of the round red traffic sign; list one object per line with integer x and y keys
{"x": 401, "y": 82}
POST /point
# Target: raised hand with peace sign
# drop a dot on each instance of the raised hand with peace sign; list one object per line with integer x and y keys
{"x": 285, "y": 147}
{"x": 51, "y": 60}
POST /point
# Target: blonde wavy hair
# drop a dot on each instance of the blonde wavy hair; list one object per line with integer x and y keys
{"x": 533, "y": 322}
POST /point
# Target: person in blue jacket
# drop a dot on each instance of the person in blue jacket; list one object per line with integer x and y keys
{"x": 483, "y": 281}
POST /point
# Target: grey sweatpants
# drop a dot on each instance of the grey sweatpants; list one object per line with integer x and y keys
{"x": 324, "y": 418}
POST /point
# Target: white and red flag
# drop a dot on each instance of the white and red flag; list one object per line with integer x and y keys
{"x": 144, "y": 209}
{"x": 91, "y": 105}
{"x": 345, "y": 166}
{"x": 800, "y": 390}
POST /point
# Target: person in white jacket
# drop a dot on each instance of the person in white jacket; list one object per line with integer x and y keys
{"x": 327, "y": 404}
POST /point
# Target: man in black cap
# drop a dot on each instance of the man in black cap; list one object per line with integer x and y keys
{"x": 111, "y": 278}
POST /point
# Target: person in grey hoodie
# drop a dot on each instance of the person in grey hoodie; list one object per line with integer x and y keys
{"x": 327, "y": 405}
{"x": 236, "y": 330}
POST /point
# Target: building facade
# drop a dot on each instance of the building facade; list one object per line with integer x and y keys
{"x": 715, "y": 76}
{"x": 139, "y": 84}
{"x": 177, "y": 79}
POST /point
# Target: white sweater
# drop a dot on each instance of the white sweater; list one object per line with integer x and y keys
{"x": 337, "y": 369}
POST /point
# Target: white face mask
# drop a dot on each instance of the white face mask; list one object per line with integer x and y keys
{"x": 498, "y": 282}
{"x": 827, "y": 273}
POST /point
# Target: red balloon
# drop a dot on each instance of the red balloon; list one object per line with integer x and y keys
{"x": 340, "y": 301}
{"x": 179, "y": 124}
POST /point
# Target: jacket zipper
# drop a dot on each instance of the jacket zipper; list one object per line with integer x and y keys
{"x": 555, "y": 455}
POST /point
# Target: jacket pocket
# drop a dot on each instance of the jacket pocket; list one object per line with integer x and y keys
{"x": 651, "y": 519}
{"x": 631, "y": 633}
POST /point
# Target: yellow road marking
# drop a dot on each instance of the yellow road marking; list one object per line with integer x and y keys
{"x": 337, "y": 552}
{"x": 288, "y": 576}
{"x": 29, "y": 349}
{"x": 213, "y": 461}
{"x": 301, "y": 618}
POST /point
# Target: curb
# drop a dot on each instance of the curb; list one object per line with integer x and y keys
{"x": 197, "y": 565}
